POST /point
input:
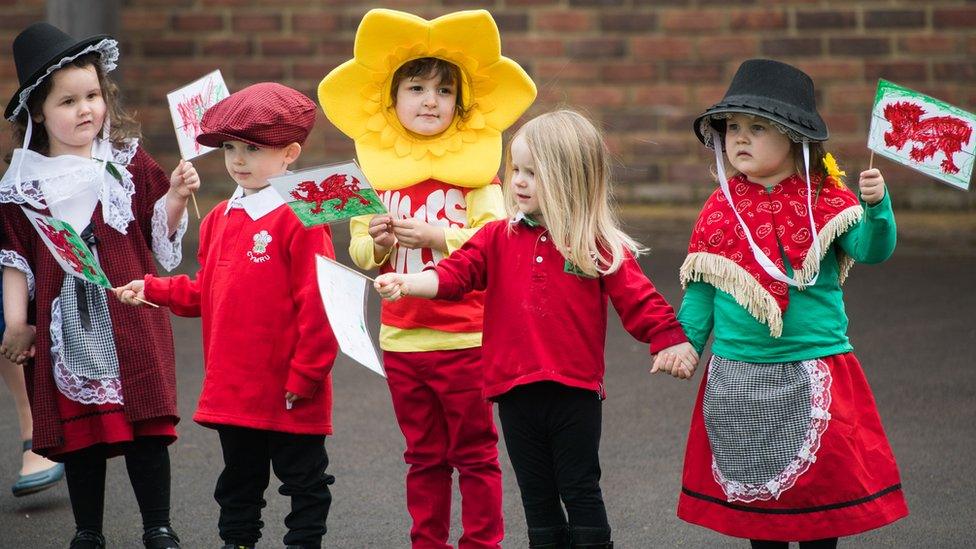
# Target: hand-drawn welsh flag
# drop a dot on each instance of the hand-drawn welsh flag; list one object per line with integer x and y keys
{"x": 923, "y": 133}
{"x": 326, "y": 194}
{"x": 187, "y": 105}
{"x": 68, "y": 248}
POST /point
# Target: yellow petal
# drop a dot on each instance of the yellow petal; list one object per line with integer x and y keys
{"x": 458, "y": 169}
{"x": 377, "y": 122}
{"x": 439, "y": 147}
{"x": 476, "y": 120}
{"x": 382, "y": 31}
{"x": 385, "y": 170}
{"x": 388, "y": 136}
{"x": 455, "y": 143}
{"x": 514, "y": 94}
{"x": 340, "y": 95}
{"x": 473, "y": 32}
{"x": 419, "y": 150}
{"x": 403, "y": 146}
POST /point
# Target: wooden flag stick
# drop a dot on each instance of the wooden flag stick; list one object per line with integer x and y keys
{"x": 871, "y": 162}
{"x": 150, "y": 303}
{"x": 193, "y": 196}
{"x": 350, "y": 269}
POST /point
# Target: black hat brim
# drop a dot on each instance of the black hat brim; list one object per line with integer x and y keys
{"x": 815, "y": 128}
{"x": 66, "y": 52}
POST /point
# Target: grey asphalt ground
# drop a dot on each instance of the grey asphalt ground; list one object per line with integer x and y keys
{"x": 911, "y": 322}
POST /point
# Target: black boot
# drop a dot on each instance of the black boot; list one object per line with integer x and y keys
{"x": 591, "y": 537}
{"x": 87, "y": 539}
{"x": 551, "y": 537}
{"x": 161, "y": 537}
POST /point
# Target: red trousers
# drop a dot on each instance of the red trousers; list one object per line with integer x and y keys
{"x": 447, "y": 425}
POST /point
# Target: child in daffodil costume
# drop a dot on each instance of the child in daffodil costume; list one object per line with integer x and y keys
{"x": 426, "y": 103}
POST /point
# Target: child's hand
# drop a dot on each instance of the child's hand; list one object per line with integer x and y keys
{"x": 678, "y": 360}
{"x": 291, "y": 397}
{"x": 381, "y": 231}
{"x": 18, "y": 343}
{"x": 872, "y": 186}
{"x": 129, "y": 293}
{"x": 184, "y": 180}
{"x": 414, "y": 233}
{"x": 391, "y": 286}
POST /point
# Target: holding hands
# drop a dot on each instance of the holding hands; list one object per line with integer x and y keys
{"x": 391, "y": 286}
{"x": 18, "y": 343}
{"x": 872, "y": 186}
{"x": 132, "y": 293}
{"x": 678, "y": 360}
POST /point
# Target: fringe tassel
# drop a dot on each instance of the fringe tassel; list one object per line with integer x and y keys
{"x": 728, "y": 276}
{"x": 828, "y": 233}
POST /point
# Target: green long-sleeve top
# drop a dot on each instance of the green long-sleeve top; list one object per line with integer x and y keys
{"x": 814, "y": 324}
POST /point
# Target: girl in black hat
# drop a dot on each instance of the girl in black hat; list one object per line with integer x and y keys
{"x": 785, "y": 442}
{"x": 102, "y": 376}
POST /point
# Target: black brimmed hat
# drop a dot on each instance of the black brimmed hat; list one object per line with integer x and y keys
{"x": 773, "y": 90}
{"x": 42, "y": 48}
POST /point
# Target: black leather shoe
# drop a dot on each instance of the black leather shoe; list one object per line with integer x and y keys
{"x": 87, "y": 539}
{"x": 161, "y": 537}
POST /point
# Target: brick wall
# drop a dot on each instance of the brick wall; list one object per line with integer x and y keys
{"x": 642, "y": 68}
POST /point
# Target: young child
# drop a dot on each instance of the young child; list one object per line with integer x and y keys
{"x": 428, "y": 137}
{"x": 785, "y": 441}
{"x": 268, "y": 385}
{"x": 102, "y": 380}
{"x": 556, "y": 260}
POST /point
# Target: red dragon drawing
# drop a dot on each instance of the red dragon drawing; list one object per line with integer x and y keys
{"x": 330, "y": 188}
{"x": 938, "y": 133}
{"x": 64, "y": 247}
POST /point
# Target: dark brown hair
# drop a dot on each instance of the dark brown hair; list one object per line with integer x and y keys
{"x": 426, "y": 67}
{"x": 123, "y": 125}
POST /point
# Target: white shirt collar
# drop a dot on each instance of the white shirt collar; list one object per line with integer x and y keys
{"x": 256, "y": 205}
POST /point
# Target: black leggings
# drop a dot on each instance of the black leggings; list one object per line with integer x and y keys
{"x": 147, "y": 462}
{"x": 828, "y": 543}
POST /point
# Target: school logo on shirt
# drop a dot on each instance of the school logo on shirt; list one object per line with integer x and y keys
{"x": 259, "y": 253}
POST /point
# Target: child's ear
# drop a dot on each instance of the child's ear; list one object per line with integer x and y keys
{"x": 292, "y": 152}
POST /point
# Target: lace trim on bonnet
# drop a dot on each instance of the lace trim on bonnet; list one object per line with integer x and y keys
{"x": 706, "y": 124}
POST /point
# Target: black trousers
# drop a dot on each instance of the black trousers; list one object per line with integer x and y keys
{"x": 146, "y": 461}
{"x": 553, "y": 437}
{"x": 299, "y": 462}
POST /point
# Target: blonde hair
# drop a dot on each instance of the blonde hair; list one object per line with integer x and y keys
{"x": 572, "y": 174}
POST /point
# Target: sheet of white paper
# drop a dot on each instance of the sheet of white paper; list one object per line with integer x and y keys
{"x": 344, "y": 296}
{"x": 187, "y": 105}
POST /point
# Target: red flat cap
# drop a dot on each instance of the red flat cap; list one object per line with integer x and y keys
{"x": 265, "y": 114}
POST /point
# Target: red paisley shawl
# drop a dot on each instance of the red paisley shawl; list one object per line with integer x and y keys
{"x": 719, "y": 253}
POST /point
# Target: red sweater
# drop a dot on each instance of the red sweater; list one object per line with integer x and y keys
{"x": 543, "y": 323}
{"x": 264, "y": 326}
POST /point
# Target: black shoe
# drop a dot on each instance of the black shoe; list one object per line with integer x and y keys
{"x": 236, "y": 546}
{"x": 161, "y": 537}
{"x": 87, "y": 539}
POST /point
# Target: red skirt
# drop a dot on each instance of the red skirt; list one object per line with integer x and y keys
{"x": 85, "y": 425}
{"x": 852, "y": 486}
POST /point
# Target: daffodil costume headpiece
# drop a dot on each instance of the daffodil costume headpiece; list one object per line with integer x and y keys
{"x": 496, "y": 91}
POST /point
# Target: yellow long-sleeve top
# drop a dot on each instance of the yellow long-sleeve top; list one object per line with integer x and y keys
{"x": 413, "y": 324}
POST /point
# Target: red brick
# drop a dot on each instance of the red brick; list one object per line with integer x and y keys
{"x": 197, "y": 22}
{"x": 628, "y": 120}
{"x": 900, "y": 19}
{"x": 133, "y": 22}
{"x": 628, "y": 22}
{"x": 631, "y": 173}
{"x": 564, "y": 21}
{"x": 927, "y": 45}
{"x": 511, "y": 21}
{"x": 683, "y": 71}
{"x": 664, "y": 48}
{"x": 688, "y": 172}
{"x": 954, "y": 18}
{"x": 629, "y": 72}
{"x": 709, "y": 95}
{"x": 531, "y": 2}
{"x": 566, "y": 70}
{"x": 691, "y": 20}
{"x": 287, "y": 46}
{"x": 167, "y": 47}
{"x": 663, "y": 95}
{"x": 314, "y": 22}
{"x": 595, "y": 48}
{"x": 844, "y": 70}
{"x": 226, "y": 47}
{"x": 757, "y": 20}
{"x": 783, "y": 47}
{"x": 858, "y": 46}
{"x": 596, "y": 95}
{"x": 595, "y": 3}
{"x": 336, "y": 46}
{"x": 848, "y": 97}
{"x": 899, "y": 71}
{"x": 256, "y": 23}
{"x": 662, "y": 145}
{"x": 844, "y": 123}
{"x": 312, "y": 70}
{"x": 533, "y": 47}
{"x": 962, "y": 71}
{"x": 258, "y": 71}
{"x": 832, "y": 19}
{"x": 728, "y": 47}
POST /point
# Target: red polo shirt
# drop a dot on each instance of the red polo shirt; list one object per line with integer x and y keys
{"x": 542, "y": 322}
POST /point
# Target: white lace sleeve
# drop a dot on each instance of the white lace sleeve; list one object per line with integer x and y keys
{"x": 168, "y": 251}
{"x": 10, "y": 258}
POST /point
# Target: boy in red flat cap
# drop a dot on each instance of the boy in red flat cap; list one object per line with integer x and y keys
{"x": 267, "y": 389}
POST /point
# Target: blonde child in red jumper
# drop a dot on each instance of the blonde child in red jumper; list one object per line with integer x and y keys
{"x": 267, "y": 388}
{"x": 556, "y": 260}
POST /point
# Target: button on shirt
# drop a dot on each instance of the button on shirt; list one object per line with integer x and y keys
{"x": 542, "y": 321}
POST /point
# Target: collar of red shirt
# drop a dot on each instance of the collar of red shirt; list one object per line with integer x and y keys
{"x": 522, "y": 218}
{"x": 256, "y": 205}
